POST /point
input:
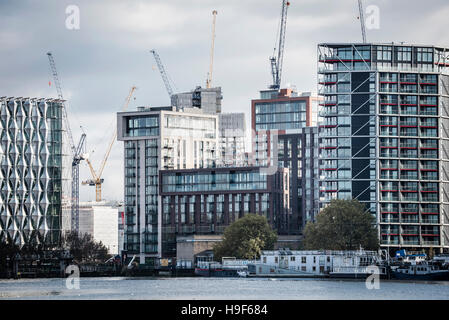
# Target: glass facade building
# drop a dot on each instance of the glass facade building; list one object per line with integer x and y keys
{"x": 285, "y": 135}
{"x": 205, "y": 201}
{"x": 383, "y": 137}
{"x": 30, "y": 170}
{"x": 156, "y": 139}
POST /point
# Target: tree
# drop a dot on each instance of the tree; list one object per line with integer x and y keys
{"x": 84, "y": 248}
{"x": 343, "y": 225}
{"x": 246, "y": 238}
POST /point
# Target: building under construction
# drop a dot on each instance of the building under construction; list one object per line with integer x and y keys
{"x": 206, "y": 99}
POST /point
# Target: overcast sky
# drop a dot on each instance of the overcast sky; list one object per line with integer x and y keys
{"x": 99, "y": 62}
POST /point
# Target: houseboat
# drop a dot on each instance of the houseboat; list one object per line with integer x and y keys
{"x": 326, "y": 263}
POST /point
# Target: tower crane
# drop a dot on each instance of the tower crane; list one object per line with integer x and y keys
{"x": 164, "y": 74}
{"x": 211, "y": 63}
{"x": 362, "y": 21}
{"x": 77, "y": 155}
{"x": 277, "y": 59}
{"x": 96, "y": 175}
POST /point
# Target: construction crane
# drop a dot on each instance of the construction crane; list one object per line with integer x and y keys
{"x": 76, "y": 151}
{"x": 164, "y": 74}
{"x": 96, "y": 175}
{"x": 77, "y": 157}
{"x": 276, "y": 59}
{"x": 211, "y": 64}
{"x": 362, "y": 21}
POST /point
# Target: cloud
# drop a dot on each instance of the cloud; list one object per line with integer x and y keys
{"x": 100, "y": 62}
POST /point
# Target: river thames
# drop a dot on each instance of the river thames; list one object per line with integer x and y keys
{"x": 219, "y": 289}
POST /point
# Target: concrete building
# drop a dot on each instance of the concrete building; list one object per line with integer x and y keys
{"x": 121, "y": 229}
{"x": 30, "y": 170}
{"x": 155, "y": 139}
{"x": 232, "y": 139}
{"x": 99, "y": 220}
{"x": 205, "y": 201}
{"x": 384, "y": 137}
{"x": 283, "y": 123}
{"x": 208, "y": 100}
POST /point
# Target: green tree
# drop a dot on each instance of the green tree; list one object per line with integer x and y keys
{"x": 246, "y": 238}
{"x": 84, "y": 248}
{"x": 342, "y": 225}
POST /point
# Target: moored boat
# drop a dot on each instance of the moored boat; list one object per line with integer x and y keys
{"x": 420, "y": 271}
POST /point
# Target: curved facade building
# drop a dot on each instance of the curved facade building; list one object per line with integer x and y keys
{"x": 30, "y": 170}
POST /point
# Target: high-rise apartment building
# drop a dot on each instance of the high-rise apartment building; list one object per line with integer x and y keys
{"x": 284, "y": 135}
{"x": 30, "y": 170}
{"x": 384, "y": 137}
{"x": 205, "y": 201}
{"x": 157, "y": 139}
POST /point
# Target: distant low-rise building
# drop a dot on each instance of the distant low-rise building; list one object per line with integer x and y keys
{"x": 100, "y": 220}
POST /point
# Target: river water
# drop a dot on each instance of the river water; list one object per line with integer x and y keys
{"x": 218, "y": 289}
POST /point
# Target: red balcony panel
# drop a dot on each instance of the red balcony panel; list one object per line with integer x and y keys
{"x": 406, "y": 82}
{"x": 327, "y": 83}
{"x": 434, "y": 213}
{"x": 430, "y": 235}
{"x": 327, "y": 104}
{"x": 389, "y": 212}
{"x": 409, "y": 212}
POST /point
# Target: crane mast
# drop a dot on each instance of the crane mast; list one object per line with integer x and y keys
{"x": 76, "y": 151}
{"x": 96, "y": 177}
{"x": 211, "y": 63}
{"x": 163, "y": 72}
{"x": 362, "y": 21}
{"x": 276, "y": 60}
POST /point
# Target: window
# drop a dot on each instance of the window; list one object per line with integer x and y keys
{"x": 303, "y": 259}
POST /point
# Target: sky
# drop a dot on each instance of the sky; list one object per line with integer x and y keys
{"x": 110, "y": 52}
